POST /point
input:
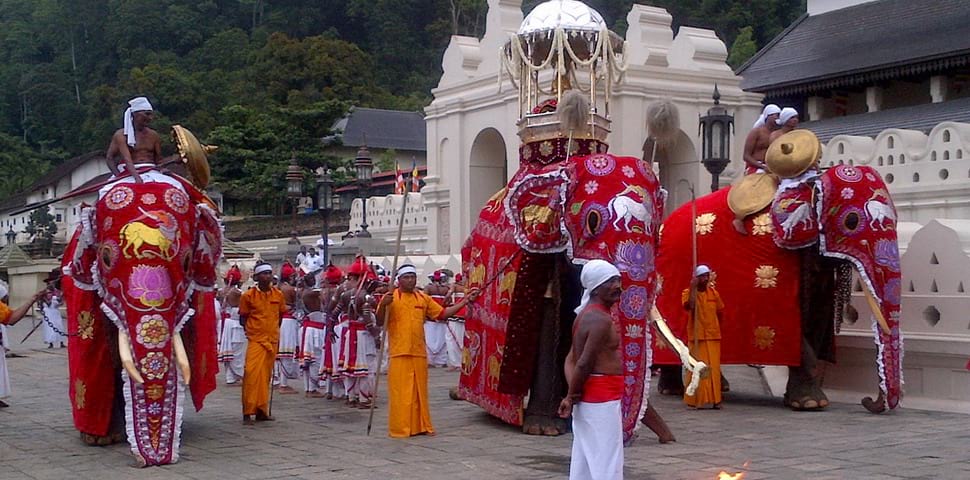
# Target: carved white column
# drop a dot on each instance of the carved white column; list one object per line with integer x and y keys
{"x": 939, "y": 88}
{"x": 874, "y": 98}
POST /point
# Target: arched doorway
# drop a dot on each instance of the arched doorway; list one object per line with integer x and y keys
{"x": 487, "y": 170}
{"x": 678, "y": 165}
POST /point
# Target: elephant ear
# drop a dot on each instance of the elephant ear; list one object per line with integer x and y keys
{"x": 794, "y": 215}
{"x": 534, "y": 207}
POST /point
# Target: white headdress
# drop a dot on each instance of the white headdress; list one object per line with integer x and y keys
{"x": 701, "y": 270}
{"x": 263, "y": 267}
{"x": 787, "y": 114}
{"x": 137, "y": 104}
{"x": 595, "y": 273}
{"x": 406, "y": 269}
{"x": 770, "y": 109}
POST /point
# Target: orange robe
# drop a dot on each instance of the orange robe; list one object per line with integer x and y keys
{"x": 407, "y": 372}
{"x": 708, "y": 349}
{"x": 5, "y": 312}
{"x": 263, "y": 312}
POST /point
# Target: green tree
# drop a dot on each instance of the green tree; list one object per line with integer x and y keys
{"x": 41, "y": 227}
{"x": 743, "y": 48}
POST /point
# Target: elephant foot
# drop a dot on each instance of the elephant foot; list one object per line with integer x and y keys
{"x": 875, "y": 406}
{"x": 670, "y": 381}
{"x": 543, "y": 425}
{"x": 454, "y": 394}
{"x": 803, "y": 393}
{"x": 101, "y": 440}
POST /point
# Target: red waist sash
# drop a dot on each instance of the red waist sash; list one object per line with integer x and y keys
{"x": 602, "y": 388}
{"x": 312, "y": 324}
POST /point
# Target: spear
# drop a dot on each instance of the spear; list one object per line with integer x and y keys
{"x": 387, "y": 312}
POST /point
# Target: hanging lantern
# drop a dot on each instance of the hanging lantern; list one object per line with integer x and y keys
{"x": 715, "y": 129}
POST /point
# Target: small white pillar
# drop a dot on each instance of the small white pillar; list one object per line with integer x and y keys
{"x": 814, "y": 107}
{"x": 874, "y": 98}
{"x": 939, "y": 86}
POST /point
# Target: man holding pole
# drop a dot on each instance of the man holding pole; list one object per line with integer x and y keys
{"x": 406, "y": 309}
{"x": 704, "y": 304}
{"x": 10, "y": 316}
{"x": 261, "y": 310}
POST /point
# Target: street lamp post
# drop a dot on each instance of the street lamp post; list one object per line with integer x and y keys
{"x": 325, "y": 205}
{"x": 715, "y": 129}
{"x": 294, "y": 183}
{"x": 365, "y": 171}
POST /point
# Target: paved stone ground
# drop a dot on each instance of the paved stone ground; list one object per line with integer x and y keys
{"x": 315, "y": 438}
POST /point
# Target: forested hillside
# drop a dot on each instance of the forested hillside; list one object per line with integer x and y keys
{"x": 264, "y": 79}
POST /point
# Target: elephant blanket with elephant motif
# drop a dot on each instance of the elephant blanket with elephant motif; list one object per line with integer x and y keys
{"x": 595, "y": 206}
{"x": 143, "y": 261}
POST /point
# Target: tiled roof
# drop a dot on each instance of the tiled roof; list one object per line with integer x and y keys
{"x": 863, "y": 41}
{"x": 378, "y": 128}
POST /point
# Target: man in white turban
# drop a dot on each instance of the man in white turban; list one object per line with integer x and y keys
{"x": 139, "y": 147}
{"x": 759, "y": 138}
{"x": 10, "y": 316}
{"x": 787, "y": 121}
{"x": 594, "y": 371}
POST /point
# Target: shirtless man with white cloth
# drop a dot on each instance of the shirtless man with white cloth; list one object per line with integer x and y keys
{"x": 594, "y": 370}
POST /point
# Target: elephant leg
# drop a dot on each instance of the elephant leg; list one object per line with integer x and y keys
{"x": 541, "y": 415}
{"x": 817, "y": 294}
{"x": 116, "y": 429}
{"x": 671, "y": 381}
{"x": 803, "y": 391}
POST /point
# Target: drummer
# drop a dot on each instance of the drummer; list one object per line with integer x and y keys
{"x": 138, "y": 145}
{"x": 755, "y": 147}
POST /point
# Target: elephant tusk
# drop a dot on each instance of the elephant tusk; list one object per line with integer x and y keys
{"x": 127, "y": 361}
{"x": 181, "y": 358}
{"x": 697, "y": 368}
{"x": 874, "y": 305}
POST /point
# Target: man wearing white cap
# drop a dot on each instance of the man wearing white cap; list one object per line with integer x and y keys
{"x": 759, "y": 138}
{"x": 594, "y": 371}
{"x": 10, "y": 316}
{"x": 704, "y": 304}
{"x": 787, "y": 121}
{"x": 407, "y": 372}
{"x": 261, "y": 310}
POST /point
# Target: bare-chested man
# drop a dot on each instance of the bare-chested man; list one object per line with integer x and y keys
{"x": 435, "y": 332}
{"x": 136, "y": 143}
{"x": 594, "y": 370}
{"x": 286, "y": 364}
{"x": 312, "y": 337}
{"x": 787, "y": 121}
{"x": 232, "y": 342}
{"x": 759, "y": 138}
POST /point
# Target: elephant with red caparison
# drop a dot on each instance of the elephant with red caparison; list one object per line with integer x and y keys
{"x": 787, "y": 280}
{"x": 140, "y": 273}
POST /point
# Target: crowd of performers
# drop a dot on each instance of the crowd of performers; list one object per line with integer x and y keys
{"x": 329, "y": 330}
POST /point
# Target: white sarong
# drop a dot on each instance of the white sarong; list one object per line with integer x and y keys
{"x": 311, "y": 351}
{"x": 54, "y": 324}
{"x": 455, "y": 339}
{"x": 286, "y": 366}
{"x": 4, "y": 375}
{"x": 232, "y": 346}
{"x": 597, "y": 442}
{"x": 434, "y": 338}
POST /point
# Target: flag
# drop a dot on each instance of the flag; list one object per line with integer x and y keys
{"x": 399, "y": 186}
{"x": 415, "y": 181}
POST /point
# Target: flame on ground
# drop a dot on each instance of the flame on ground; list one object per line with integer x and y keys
{"x": 727, "y": 476}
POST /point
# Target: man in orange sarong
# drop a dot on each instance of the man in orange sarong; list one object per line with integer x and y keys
{"x": 407, "y": 372}
{"x": 704, "y": 336}
{"x": 261, "y": 310}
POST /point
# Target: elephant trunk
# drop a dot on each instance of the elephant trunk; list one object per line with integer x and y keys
{"x": 127, "y": 360}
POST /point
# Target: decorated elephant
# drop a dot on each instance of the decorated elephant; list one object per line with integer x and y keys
{"x": 787, "y": 279}
{"x": 140, "y": 273}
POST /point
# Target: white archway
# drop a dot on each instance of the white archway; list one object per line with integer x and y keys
{"x": 487, "y": 171}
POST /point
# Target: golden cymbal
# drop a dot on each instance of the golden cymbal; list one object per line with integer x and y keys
{"x": 751, "y": 193}
{"x": 791, "y": 154}
{"x": 193, "y": 155}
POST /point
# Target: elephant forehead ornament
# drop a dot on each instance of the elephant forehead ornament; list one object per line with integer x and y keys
{"x": 141, "y": 273}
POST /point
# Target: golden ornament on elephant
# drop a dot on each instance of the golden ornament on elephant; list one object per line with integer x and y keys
{"x": 193, "y": 155}
{"x": 793, "y": 153}
{"x": 752, "y": 193}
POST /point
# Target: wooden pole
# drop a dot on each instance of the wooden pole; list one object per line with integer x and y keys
{"x": 383, "y": 342}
